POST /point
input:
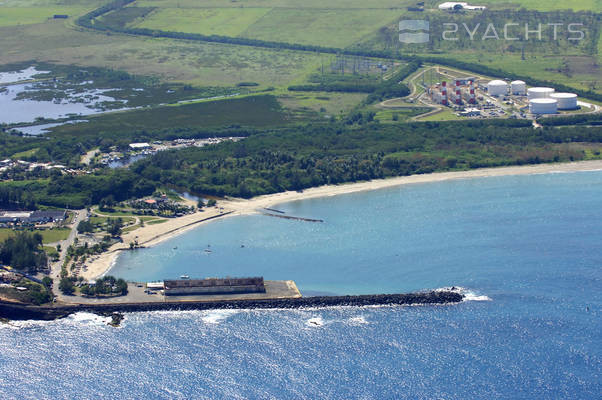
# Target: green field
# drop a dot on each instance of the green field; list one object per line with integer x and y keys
{"x": 197, "y": 63}
{"x": 545, "y": 5}
{"x": 213, "y": 21}
{"x": 34, "y": 15}
{"x": 48, "y": 235}
{"x": 332, "y": 103}
{"x": 318, "y": 4}
{"x": 445, "y": 115}
{"x": 335, "y": 28}
{"x": 325, "y": 27}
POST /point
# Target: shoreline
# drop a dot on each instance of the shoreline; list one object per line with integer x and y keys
{"x": 152, "y": 235}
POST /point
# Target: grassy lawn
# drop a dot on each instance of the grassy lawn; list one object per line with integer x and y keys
{"x": 156, "y": 221}
{"x": 48, "y": 235}
{"x": 325, "y": 27}
{"x": 103, "y": 220}
{"x": 545, "y": 5}
{"x": 206, "y": 21}
{"x": 26, "y": 153}
{"x": 403, "y": 114}
{"x": 445, "y": 115}
{"x": 10, "y": 16}
{"x": 331, "y": 103}
{"x": 319, "y": 4}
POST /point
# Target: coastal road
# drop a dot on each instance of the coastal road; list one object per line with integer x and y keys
{"x": 55, "y": 268}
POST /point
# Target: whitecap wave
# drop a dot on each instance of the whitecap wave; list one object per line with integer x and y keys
{"x": 469, "y": 295}
{"x": 88, "y": 319}
{"x": 79, "y": 318}
{"x": 217, "y": 316}
{"x": 358, "y": 320}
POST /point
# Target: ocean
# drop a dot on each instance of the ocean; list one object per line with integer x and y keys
{"x": 526, "y": 248}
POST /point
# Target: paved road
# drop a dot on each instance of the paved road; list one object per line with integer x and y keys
{"x": 55, "y": 268}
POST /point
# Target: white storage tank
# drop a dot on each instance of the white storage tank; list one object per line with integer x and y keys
{"x": 497, "y": 88}
{"x": 543, "y": 106}
{"x": 539, "y": 92}
{"x": 566, "y": 101}
{"x": 518, "y": 88}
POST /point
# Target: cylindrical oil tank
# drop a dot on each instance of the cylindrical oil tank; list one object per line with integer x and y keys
{"x": 566, "y": 101}
{"x": 497, "y": 88}
{"x": 539, "y": 92}
{"x": 518, "y": 88}
{"x": 543, "y": 106}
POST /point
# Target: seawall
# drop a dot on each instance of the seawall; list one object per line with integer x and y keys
{"x": 22, "y": 312}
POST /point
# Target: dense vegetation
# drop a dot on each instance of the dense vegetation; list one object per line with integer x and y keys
{"x": 586, "y": 119}
{"x": 300, "y": 157}
{"x": 24, "y": 252}
{"x": 230, "y": 117}
{"x": 34, "y": 294}
{"x": 296, "y": 159}
{"x": 105, "y": 286}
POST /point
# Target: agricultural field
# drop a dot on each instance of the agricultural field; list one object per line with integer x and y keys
{"x": 10, "y": 16}
{"x": 319, "y": 4}
{"x": 333, "y": 28}
{"x": 207, "y": 21}
{"x": 544, "y": 5}
{"x": 325, "y": 27}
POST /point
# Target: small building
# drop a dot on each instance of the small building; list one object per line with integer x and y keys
{"x": 458, "y": 6}
{"x": 155, "y": 285}
{"x": 471, "y": 112}
{"x": 214, "y": 286}
{"x": 60, "y": 16}
{"x": 139, "y": 146}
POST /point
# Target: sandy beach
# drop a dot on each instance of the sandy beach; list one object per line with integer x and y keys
{"x": 150, "y": 235}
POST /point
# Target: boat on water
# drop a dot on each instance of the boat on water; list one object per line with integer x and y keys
{"x": 184, "y": 277}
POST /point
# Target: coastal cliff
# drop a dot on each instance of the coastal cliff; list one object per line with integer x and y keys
{"x": 23, "y": 312}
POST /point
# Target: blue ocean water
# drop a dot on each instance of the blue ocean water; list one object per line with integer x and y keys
{"x": 532, "y": 244}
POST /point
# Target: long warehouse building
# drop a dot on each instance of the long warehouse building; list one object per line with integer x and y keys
{"x": 214, "y": 286}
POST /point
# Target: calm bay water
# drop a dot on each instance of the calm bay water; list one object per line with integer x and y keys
{"x": 531, "y": 244}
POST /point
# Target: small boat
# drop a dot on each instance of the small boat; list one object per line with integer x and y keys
{"x": 184, "y": 277}
{"x": 208, "y": 251}
{"x": 175, "y": 248}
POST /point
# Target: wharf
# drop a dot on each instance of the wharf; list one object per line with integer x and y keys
{"x": 138, "y": 294}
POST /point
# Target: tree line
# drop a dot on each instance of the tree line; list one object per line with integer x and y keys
{"x": 23, "y": 251}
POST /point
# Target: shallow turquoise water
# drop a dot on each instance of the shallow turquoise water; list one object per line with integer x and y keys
{"x": 531, "y": 244}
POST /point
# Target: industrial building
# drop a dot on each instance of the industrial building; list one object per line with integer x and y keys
{"x": 213, "y": 286}
{"x": 32, "y": 217}
{"x": 543, "y": 106}
{"x": 462, "y": 91}
{"x": 566, "y": 101}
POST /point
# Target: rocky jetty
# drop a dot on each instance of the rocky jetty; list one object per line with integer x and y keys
{"x": 22, "y": 312}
